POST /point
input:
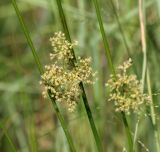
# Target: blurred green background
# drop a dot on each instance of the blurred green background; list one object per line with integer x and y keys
{"x": 26, "y": 119}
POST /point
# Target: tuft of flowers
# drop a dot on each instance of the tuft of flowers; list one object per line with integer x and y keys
{"x": 62, "y": 79}
{"x": 125, "y": 90}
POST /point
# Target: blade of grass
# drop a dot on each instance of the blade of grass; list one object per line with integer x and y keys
{"x": 153, "y": 115}
{"x": 13, "y": 148}
{"x": 85, "y": 100}
{"x": 108, "y": 55}
{"x": 143, "y": 41}
{"x": 38, "y": 64}
{"x": 122, "y": 34}
{"x": 107, "y": 49}
{"x": 120, "y": 28}
{"x": 145, "y": 71}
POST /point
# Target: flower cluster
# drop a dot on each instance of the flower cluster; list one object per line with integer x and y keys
{"x": 61, "y": 79}
{"x": 126, "y": 90}
{"x": 61, "y": 47}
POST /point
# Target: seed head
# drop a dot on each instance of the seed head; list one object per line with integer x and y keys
{"x": 125, "y": 90}
{"x": 59, "y": 78}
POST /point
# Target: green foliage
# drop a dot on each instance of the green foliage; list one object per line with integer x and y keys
{"x": 28, "y": 122}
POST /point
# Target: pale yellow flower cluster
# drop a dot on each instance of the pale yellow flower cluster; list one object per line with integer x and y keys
{"x": 61, "y": 79}
{"x": 62, "y": 48}
{"x": 126, "y": 90}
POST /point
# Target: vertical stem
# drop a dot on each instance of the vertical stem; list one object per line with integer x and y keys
{"x": 12, "y": 146}
{"x": 128, "y": 133}
{"x": 39, "y": 66}
{"x": 153, "y": 115}
{"x": 28, "y": 38}
{"x": 120, "y": 28}
{"x": 146, "y": 73}
{"x": 106, "y": 45}
{"x": 63, "y": 124}
{"x": 85, "y": 100}
{"x": 123, "y": 35}
{"x": 143, "y": 41}
{"x": 108, "y": 55}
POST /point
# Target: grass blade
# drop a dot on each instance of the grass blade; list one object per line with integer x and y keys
{"x": 122, "y": 34}
{"x": 153, "y": 115}
{"x": 85, "y": 101}
{"x": 37, "y": 61}
{"x": 13, "y": 149}
{"x": 108, "y": 54}
{"x": 28, "y": 38}
{"x": 145, "y": 71}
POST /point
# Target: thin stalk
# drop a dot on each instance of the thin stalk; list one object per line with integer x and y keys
{"x": 128, "y": 132}
{"x": 136, "y": 133}
{"x": 120, "y": 28}
{"x": 153, "y": 115}
{"x": 12, "y": 146}
{"x": 143, "y": 41}
{"x": 106, "y": 45}
{"x": 39, "y": 66}
{"x": 85, "y": 100}
{"x": 145, "y": 72}
{"x": 28, "y": 38}
{"x": 122, "y": 34}
{"x": 108, "y": 55}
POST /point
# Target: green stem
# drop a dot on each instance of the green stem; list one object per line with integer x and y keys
{"x": 12, "y": 146}
{"x": 128, "y": 133}
{"x": 90, "y": 118}
{"x": 120, "y": 28}
{"x": 145, "y": 71}
{"x": 39, "y": 66}
{"x": 106, "y": 45}
{"x": 85, "y": 100}
{"x": 108, "y": 55}
{"x": 61, "y": 119}
{"x": 123, "y": 35}
{"x": 28, "y": 38}
{"x": 153, "y": 115}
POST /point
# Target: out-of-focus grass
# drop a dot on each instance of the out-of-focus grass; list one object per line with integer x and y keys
{"x": 27, "y": 117}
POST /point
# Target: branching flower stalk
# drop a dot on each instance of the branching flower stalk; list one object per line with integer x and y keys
{"x": 145, "y": 71}
{"x": 73, "y": 62}
{"x": 109, "y": 59}
{"x": 39, "y": 66}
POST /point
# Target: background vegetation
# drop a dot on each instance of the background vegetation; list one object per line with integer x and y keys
{"x": 27, "y": 121}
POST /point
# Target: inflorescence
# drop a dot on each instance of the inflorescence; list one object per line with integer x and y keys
{"x": 62, "y": 79}
{"x": 126, "y": 90}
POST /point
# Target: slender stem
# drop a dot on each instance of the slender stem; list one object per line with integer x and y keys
{"x": 28, "y": 38}
{"x": 106, "y": 45}
{"x": 120, "y": 28}
{"x": 108, "y": 55}
{"x": 135, "y": 134}
{"x": 91, "y": 121}
{"x": 128, "y": 133}
{"x": 85, "y": 100}
{"x": 153, "y": 115}
{"x": 61, "y": 119}
{"x": 39, "y": 66}
{"x": 12, "y": 146}
{"x": 122, "y": 33}
{"x": 145, "y": 72}
{"x": 143, "y": 41}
